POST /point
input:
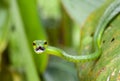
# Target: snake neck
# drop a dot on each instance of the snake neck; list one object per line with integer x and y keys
{"x": 82, "y": 58}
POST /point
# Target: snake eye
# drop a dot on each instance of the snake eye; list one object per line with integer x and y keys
{"x": 34, "y": 44}
{"x": 45, "y": 43}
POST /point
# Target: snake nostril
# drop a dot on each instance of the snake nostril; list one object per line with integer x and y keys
{"x": 39, "y": 48}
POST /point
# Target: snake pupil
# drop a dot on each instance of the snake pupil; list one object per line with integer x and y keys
{"x": 45, "y": 43}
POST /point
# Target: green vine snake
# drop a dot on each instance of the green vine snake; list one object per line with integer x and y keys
{"x": 42, "y": 47}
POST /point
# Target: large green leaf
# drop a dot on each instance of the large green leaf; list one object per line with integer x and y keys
{"x": 49, "y": 9}
{"x": 58, "y": 71}
{"x": 21, "y": 38}
{"x": 33, "y": 29}
{"x": 80, "y": 9}
{"x": 107, "y": 67}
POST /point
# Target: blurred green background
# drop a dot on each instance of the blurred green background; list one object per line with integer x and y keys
{"x": 58, "y": 21}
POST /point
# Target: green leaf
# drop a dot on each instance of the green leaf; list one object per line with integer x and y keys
{"x": 107, "y": 67}
{"x": 58, "y": 71}
{"x": 49, "y": 9}
{"x": 33, "y": 29}
{"x": 80, "y": 9}
{"x": 14, "y": 49}
{"x": 29, "y": 65}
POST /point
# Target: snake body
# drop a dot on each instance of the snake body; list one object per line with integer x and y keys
{"x": 41, "y": 46}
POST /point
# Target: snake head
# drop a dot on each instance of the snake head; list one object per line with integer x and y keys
{"x": 39, "y": 46}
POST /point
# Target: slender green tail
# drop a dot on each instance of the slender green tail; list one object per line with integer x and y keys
{"x": 41, "y": 47}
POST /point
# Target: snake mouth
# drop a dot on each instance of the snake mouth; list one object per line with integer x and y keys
{"x": 39, "y": 49}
